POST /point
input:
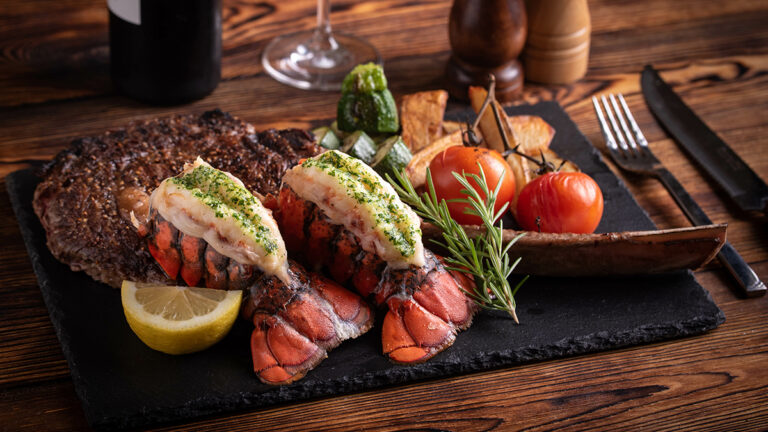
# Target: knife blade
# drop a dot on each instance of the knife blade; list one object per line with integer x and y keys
{"x": 729, "y": 171}
{"x": 714, "y": 155}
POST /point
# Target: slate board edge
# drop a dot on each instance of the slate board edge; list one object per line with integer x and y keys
{"x": 311, "y": 390}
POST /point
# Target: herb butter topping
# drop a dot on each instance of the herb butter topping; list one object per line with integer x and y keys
{"x": 228, "y": 199}
{"x": 205, "y": 202}
{"x": 354, "y": 195}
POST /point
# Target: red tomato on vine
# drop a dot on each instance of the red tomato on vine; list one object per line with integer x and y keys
{"x": 559, "y": 202}
{"x": 465, "y": 159}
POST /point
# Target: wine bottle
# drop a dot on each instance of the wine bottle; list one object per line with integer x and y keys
{"x": 165, "y": 51}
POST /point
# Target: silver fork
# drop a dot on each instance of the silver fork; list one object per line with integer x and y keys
{"x": 629, "y": 149}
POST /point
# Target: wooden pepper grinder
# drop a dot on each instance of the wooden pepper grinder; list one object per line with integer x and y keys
{"x": 557, "y": 49}
{"x": 486, "y": 37}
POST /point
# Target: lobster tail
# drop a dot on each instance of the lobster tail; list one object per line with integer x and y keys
{"x": 325, "y": 245}
{"x": 426, "y": 304}
{"x": 426, "y": 308}
{"x": 297, "y": 324}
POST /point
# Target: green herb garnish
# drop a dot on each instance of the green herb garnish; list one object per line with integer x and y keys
{"x": 484, "y": 257}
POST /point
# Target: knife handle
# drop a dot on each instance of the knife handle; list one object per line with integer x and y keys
{"x": 750, "y": 284}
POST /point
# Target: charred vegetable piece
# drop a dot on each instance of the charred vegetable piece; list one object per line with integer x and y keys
{"x": 359, "y": 145}
{"x": 365, "y": 78}
{"x": 366, "y": 104}
{"x": 326, "y": 138}
{"x": 393, "y": 156}
{"x": 374, "y": 112}
{"x": 338, "y": 132}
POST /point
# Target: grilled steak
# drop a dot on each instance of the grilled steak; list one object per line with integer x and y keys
{"x": 88, "y": 191}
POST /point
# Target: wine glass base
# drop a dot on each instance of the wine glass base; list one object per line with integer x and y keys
{"x": 296, "y": 59}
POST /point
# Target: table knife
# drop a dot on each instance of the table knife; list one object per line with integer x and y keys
{"x": 729, "y": 171}
{"x": 714, "y": 155}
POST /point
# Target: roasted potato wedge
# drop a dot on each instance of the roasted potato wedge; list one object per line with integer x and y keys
{"x": 531, "y": 133}
{"x": 450, "y": 127}
{"x": 417, "y": 168}
{"x": 421, "y": 116}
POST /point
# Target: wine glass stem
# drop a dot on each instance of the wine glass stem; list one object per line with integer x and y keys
{"x": 324, "y": 16}
{"x": 323, "y": 38}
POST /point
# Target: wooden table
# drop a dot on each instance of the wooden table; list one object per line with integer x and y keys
{"x": 54, "y": 86}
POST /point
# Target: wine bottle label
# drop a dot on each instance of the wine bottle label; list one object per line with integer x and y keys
{"x": 128, "y": 10}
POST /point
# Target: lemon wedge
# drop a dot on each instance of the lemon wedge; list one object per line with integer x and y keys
{"x": 179, "y": 320}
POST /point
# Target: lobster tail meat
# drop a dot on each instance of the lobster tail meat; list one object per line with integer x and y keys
{"x": 298, "y": 323}
{"x": 213, "y": 205}
{"x": 354, "y": 196}
{"x": 325, "y": 209}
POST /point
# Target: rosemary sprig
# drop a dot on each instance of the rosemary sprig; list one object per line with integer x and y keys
{"x": 484, "y": 257}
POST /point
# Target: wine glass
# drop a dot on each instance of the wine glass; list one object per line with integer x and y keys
{"x": 316, "y": 59}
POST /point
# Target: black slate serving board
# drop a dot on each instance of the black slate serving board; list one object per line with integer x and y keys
{"x": 124, "y": 384}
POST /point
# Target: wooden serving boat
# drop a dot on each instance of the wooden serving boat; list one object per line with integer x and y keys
{"x": 608, "y": 254}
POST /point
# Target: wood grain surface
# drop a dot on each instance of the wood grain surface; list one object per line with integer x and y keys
{"x": 55, "y": 86}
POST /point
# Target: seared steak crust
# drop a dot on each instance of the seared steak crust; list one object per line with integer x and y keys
{"x": 88, "y": 190}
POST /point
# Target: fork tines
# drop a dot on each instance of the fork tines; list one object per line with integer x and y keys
{"x": 622, "y": 137}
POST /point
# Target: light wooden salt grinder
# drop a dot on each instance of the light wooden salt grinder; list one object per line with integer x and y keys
{"x": 557, "y": 49}
{"x": 486, "y": 37}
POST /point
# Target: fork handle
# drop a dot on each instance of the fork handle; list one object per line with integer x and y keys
{"x": 750, "y": 284}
